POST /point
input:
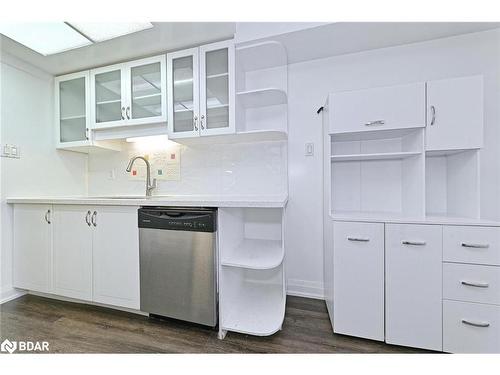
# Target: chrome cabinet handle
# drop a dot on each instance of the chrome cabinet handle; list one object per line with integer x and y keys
{"x": 201, "y": 121}
{"x": 127, "y": 112}
{"x": 413, "y": 243}
{"x": 123, "y": 116}
{"x": 476, "y": 324}
{"x": 433, "y": 110}
{"x": 87, "y": 218}
{"x": 376, "y": 122}
{"x": 358, "y": 239}
{"x": 94, "y": 221}
{"x": 195, "y": 122}
{"x": 476, "y": 245}
{"x": 47, "y": 217}
{"x": 475, "y": 284}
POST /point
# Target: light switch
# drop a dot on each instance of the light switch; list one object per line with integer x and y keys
{"x": 309, "y": 149}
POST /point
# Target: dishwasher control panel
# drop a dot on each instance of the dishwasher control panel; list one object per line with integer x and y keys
{"x": 187, "y": 219}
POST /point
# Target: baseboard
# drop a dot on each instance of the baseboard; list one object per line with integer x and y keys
{"x": 304, "y": 288}
{"x": 9, "y": 295}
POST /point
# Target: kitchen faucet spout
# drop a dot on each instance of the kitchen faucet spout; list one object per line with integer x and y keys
{"x": 149, "y": 186}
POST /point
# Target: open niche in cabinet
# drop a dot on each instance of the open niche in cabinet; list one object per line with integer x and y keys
{"x": 261, "y": 91}
{"x": 378, "y": 172}
{"x": 252, "y": 288}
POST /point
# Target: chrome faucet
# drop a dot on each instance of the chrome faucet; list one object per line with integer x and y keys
{"x": 149, "y": 186}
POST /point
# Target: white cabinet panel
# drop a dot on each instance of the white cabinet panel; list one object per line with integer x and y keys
{"x": 116, "y": 256}
{"x": 383, "y": 108}
{"x": 478, "y": 245}
{"x": 471, "y": 327}
{"x": 72, "y": 252}
{"x": 358, "y": 279}
{"x": 455, "y": 113}
{"x": 471, "y": 283}
{"x": 32, "y": 247}
{"x": 413, "y": 285}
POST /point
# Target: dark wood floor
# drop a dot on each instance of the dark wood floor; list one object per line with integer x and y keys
{"x": 78, "y": 328}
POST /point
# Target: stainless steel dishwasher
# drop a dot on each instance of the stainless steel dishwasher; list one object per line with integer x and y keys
{"x": 178, "y": 263}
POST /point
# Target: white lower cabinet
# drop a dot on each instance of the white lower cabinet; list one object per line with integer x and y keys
{"x": 32, "y": 234}
{"x": 358, "y": 279}
{"x": 72, "y": 252}
{"x": 115, "y": 244}
{"x": 413, "y": 256}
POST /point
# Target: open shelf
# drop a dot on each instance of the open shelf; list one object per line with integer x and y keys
{"x": 376, "y": 156}
{"x": 253, "y": 302}
{"x": 261, "y": 97}
{"x": 250, "y": 57}
{"x": 255, "y": 254}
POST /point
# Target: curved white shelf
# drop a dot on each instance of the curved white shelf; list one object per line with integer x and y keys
{"x": 250, "y": 56}
{"x": 257, "y": 309}
{"x": 261, "y": 98}
{"x": 256, "y": 254}
{"x": 376, "y": 156}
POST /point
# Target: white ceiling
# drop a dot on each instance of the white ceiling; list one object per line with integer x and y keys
{"x": 310, "y": 43}
{"x": 163, "y": 37}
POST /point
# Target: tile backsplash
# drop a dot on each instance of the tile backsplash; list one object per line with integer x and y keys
{"x": 229, "y": 169}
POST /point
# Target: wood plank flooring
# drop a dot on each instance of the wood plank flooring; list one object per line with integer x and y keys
{"x": 78, "y": 328}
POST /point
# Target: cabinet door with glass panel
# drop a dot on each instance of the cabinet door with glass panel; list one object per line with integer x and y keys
{"x": 72, "y": 110}
{"x": 183, "y": 94}
{"x": 217, "y": 88}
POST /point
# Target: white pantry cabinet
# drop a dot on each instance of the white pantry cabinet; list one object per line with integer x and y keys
{"x": 201, "y": 91}
{"x": 413, "y": 284}
{"x": 72, "y": 252}
{"x": 455, "y": 114}
{"x": 129, "y": 94}
{"x": 115, "y": 244}
{"x": 358, "y": 279}
{"x": 32, "y": 233}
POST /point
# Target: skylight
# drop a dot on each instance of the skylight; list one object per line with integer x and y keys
{"x": 48, "y": 38}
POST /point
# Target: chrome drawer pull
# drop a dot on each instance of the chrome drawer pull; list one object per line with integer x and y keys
{"x": 414, "y": 243}
{"x": 475, "y": 324}
{"x": 477, "y": 285}
{"x": 376, "y": 122}
{"x": 476, "y": 245}
{"x": 357, "y": 239}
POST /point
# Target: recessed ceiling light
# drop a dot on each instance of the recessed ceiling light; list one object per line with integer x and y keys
{"x": 100, "y": 31}
{"x": 45, "y": 38}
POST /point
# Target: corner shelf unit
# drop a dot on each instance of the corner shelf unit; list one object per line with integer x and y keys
{"x": 261, "y": 90}
{"x": 252, "y": 293}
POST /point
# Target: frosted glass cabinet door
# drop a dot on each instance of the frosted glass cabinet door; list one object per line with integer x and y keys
{"x": 183, "y": 90}
{"x": 147, "y": 91}
{"x": 72, "y": 108}
{"x": 217, "y": 88}
{"x": 108, "y": 97}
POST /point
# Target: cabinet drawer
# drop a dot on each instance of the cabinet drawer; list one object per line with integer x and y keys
{"x": 478, "y": 245}
{"x": 471, "y": 327}
{"x": 471, "y": 283}
{"x": 393, "y": 107}
{"x": 358, "y": 279}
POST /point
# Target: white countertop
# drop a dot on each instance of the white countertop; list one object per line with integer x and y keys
{"x": 260, "y": 201}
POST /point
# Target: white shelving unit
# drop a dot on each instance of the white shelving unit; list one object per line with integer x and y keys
{"x": 252, "y": 293}
{"x": 261, "y": 97}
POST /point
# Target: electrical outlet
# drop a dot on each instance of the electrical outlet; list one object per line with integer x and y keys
{"x": 309, "y": 149}
{"x": 10, "y": 151}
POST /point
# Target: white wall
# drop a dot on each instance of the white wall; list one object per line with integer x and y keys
{"x": 26, "y": 97}
{"x": 310, "y": 82}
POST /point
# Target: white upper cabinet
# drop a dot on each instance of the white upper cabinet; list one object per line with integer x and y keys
{"x": 201, "y": 91}
{"x": 383, "y": 108}
{"x": 455, "y": 114}
{"x": 72, "y": 110}
{"x": 132, "y": 93}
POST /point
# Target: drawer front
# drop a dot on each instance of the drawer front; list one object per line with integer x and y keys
{"x": 478, "y": 245}
{"x": 471, "y": 283}
{"x": 413, "y": 289}
{"x": 358, "y": 279}
{"x": 471, "y": 327}
{"x": 393, "y": 107}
